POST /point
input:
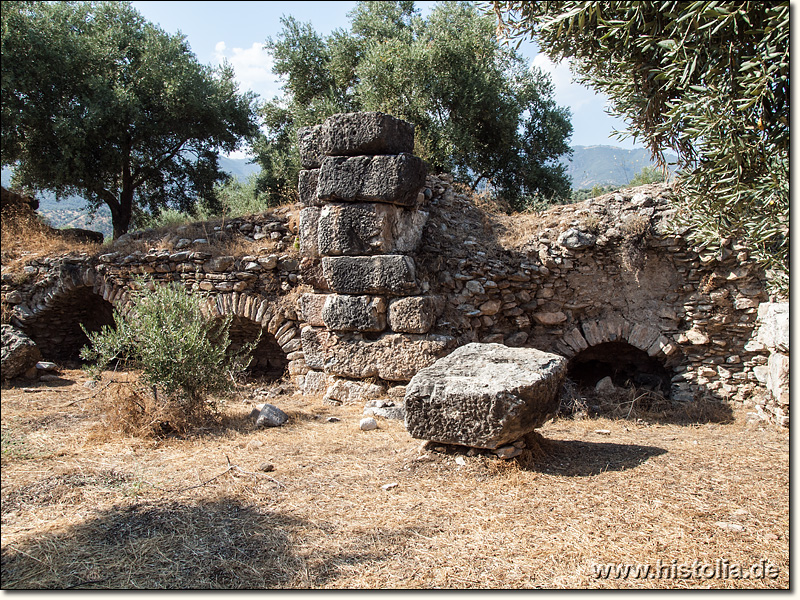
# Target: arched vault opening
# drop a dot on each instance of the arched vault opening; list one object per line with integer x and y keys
{"x": 269, "y": 360}
{"x": 57, "y": 328}
{"x": 626, "y": 365}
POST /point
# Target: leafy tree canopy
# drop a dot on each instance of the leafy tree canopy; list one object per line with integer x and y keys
{"x": 99, "y": 102}
{"x": 479, "y": 111}
{"x": 709, "y": 80}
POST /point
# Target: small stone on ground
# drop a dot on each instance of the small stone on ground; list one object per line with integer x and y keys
{"x": 368, "y": 424}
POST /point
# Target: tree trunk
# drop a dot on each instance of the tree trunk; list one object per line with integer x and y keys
{"x": 121, "y": 218}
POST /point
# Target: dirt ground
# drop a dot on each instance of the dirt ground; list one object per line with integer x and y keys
{"x": 322, "y": 504}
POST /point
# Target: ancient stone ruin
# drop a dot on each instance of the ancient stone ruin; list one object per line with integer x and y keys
{"x": 387, "y": 269}
{"x": 484, "y": 395}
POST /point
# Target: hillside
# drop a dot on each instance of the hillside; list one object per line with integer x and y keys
{"x": 606, "y": 165}
{"x": 590, "y": 166}
{"x": 71, "y": 211}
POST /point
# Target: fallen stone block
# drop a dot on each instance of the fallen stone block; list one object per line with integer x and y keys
{"x": 349, "y": 134}
{"x": 384, "y": 409}
{"x": 347, "y": 391}
{"x": 388, "y": 274}
{"x": 80, "y": 235}
{"x": 19, "y": 353}
{"x": 315, "y": 383}
{"x": 360, "y": 229}
{"x": 385, "y": 178}
{"x": 484, "y": 395}
{"x": 269, "y": 415}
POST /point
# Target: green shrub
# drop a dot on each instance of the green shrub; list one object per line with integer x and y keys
{"x": 167, "y": 217}
{"x": 647, "y": 175}
{"x": 236, "y": 199}
{"x": 181, "y": 351}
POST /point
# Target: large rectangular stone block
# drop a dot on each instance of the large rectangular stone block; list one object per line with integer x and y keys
{"x": 350, "y": 134}
{"x": 307, "y": 187}
{"x": 390, "y": 274}
{"x": 393, "y": 179}
{"x": 414, "y": 314}
{"x": 368, "y": 228}
{"x": 309, "y": 142}
{"x": 354, "y": 313}
{"x": 309, "y": 226}
{"x": 484, "y": 395}
{"x": 392, "y": 357}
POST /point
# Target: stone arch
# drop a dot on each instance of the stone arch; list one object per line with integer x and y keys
{"x": 280, "y": 335}
{"x": 55, "y": 313}
{"x": 624, "y": 363}
{"x": 628, "y": 352}
{"x": 645, "y": 337}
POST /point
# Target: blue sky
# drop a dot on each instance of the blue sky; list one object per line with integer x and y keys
{"x": 236, "y": 31}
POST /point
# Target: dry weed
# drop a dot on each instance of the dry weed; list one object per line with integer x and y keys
{"x": 307, "y": 505}
{"x": 641, "y": 404}
{"x": 131, "y": 409}
{"x": 25, "y": 237}
{"x": 635, "y": 233}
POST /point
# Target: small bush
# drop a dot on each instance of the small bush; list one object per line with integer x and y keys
{"x": 647, "y": 175}
{"x": 181, "y": 351}
{"x": 237, "y": 199}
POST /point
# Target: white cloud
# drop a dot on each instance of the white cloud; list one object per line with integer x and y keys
{"x": 253, "y": 68}
{"x": 567, "y": 92}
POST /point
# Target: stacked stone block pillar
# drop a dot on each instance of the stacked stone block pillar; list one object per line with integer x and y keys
{"x": 773, "y": 336}
{"x": 368, "y": 317}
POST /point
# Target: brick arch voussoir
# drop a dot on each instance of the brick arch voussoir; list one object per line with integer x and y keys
{"x": 264, "y": 311}
{"x": 66, "y": 283}
{"x": 643, "y": 336}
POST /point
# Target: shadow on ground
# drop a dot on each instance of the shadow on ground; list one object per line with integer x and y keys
{"x": 219, "y": 544}
{"x": 575, "y": 458}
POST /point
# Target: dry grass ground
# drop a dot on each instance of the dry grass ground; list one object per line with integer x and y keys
{"x": 82, "y": 507}
{"x": 26, "y": 237}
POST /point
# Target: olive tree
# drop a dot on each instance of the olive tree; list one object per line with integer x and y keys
{"x": 97, "y": 101}
{"x": 709, "y": 80}
{"x": 479, "y": 110}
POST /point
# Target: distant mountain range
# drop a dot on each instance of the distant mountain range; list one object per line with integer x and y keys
{"x": 71, "y": 211}
{"x": 589, "y": 166}
{"x": 606, "y": 165}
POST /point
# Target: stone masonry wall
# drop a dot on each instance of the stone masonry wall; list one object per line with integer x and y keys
{"x": 397, "y": 268}
{"x": 258, "y": 288}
